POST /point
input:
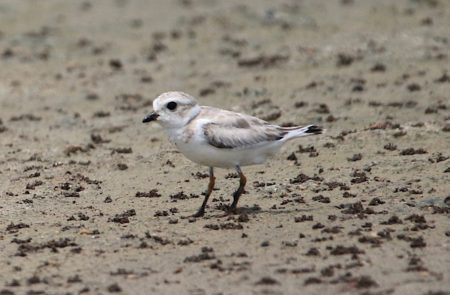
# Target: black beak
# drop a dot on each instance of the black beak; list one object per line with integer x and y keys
{"x": 150, "y": 117}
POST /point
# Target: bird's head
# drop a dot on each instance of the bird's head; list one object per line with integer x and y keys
{"x": 173, "y": 109}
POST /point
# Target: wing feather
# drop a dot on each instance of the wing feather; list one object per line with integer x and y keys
{"x": 234, "y": 130}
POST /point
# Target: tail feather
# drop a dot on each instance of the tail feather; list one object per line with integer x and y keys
{"x": 313, "y": 129}
{"x": 294, "y": 132}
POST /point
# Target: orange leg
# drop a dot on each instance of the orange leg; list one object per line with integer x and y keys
{"x": 212, "y": 181}
{"x": 240, "y": 190}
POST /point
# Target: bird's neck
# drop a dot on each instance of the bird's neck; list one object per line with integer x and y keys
{"x": 193, "y": 112}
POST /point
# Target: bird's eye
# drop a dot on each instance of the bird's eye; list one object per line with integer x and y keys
{"x": 172, "y": 105}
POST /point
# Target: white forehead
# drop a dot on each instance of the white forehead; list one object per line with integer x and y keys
{"x": 176, "y": 96}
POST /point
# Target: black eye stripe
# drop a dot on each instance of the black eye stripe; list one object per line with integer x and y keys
{"x": 171, "y": 105}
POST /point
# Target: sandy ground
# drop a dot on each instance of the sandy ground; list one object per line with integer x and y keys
{"x": 92, "y": 201}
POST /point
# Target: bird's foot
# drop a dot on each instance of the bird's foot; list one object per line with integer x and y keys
{"x": 199, "y": 213}
{"x": 230, "y": 211}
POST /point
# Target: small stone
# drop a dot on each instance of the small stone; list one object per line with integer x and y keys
{"x": 122, "y": 166}
{"x": 265, "y": 244}
{"x": 114, "y": 288}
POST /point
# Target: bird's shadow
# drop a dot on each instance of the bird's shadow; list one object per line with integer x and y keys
{"x": 253, "y": 211}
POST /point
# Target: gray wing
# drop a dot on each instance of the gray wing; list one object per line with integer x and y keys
{"x": 239, "y": 131}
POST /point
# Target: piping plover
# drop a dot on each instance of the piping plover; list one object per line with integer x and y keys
{"x": 218, "y": 138}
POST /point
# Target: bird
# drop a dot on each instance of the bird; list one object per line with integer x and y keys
{"x": 219, "y": 138}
